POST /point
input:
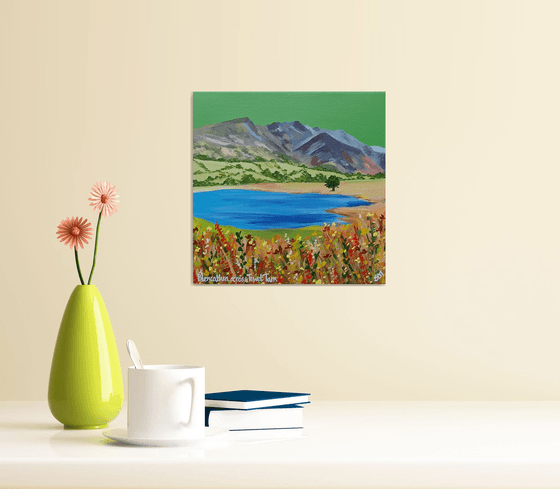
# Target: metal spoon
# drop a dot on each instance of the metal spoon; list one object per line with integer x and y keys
{"x": 134, "y": 355}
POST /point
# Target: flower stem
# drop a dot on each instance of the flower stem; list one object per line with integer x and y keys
{"x": 95, "y": 250}
{"x": 78, "y": 265}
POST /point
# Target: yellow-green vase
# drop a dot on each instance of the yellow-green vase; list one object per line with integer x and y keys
{"x": 85, "y": 386}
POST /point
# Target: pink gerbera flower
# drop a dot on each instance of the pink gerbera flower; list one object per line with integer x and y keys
{"x": 104, "y": 198}
{"x": 74, "y": 231}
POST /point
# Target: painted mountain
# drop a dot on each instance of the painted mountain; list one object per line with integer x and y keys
{"x": 241, "y": 140}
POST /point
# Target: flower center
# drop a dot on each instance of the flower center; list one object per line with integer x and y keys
{"x": 75, "y": 230}
{"x": 104, "y": 199}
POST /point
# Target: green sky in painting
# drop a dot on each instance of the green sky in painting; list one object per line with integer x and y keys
{"x": 360, "y": 114}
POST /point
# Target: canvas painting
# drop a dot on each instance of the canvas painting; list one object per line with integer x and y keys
{"x": 288, "y": 188}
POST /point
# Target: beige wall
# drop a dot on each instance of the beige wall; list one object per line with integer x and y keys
{"x": 102, "y": 90}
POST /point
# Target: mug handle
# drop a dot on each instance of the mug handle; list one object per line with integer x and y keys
{"x": 194, "y": 390}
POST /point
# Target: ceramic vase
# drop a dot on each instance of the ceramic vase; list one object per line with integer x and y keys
{"x": 85, "y": 385}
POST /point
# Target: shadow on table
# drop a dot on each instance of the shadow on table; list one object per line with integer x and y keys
{"x": 32, "y": 426}
{"x": 81, "y": 438}
{"x": 60, "y": 442}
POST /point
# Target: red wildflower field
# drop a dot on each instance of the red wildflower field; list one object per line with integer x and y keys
{"x": 338, "y": 254}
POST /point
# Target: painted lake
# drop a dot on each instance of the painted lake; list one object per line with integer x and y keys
{"x": 258, "y": 210}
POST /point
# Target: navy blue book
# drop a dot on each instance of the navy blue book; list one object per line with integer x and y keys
{"x": 249, "y": 399}
{"x": 274, "y": 417}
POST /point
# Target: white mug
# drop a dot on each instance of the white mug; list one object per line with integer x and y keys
{"x": 166, "y": 402}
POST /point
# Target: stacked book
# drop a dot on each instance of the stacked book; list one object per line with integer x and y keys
{"x": 266, "y": 413}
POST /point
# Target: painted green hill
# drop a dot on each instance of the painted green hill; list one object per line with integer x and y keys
{"x": 209, "y": 172}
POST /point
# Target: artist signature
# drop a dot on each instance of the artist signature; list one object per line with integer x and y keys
{"x": 249, "y": 279}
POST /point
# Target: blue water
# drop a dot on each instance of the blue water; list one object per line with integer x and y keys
{"x": 253, "y": 209}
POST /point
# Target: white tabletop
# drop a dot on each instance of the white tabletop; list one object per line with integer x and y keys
{"x": 347, "y": 444}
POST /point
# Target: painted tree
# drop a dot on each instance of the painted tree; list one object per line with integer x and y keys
{"x": 332, "y": 182}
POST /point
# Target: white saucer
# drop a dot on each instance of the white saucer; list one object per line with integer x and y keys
{"x": 210, "y": 436}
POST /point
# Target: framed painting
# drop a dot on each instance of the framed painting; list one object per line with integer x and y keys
{"x": 289, "y": 188}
